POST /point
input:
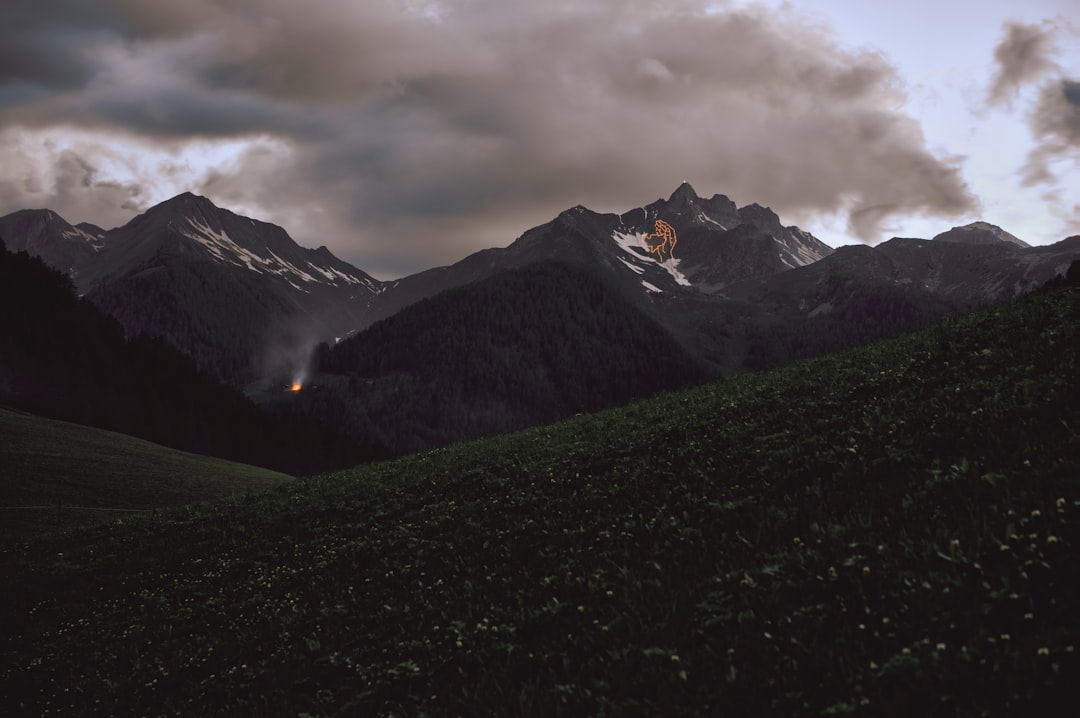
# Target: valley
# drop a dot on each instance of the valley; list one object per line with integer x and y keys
{"x": 634, "y": 477}
{"x": 888, "y": 529}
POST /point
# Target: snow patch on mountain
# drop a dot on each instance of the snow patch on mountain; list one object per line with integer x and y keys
{"x": 672, "y": 266}
{"x": 634, "y": 245}
{"x": 706, "y": 218}
{"x": 225, "y": 249}
{"x": 221, "y": 245}
{"x": 287, "y": 267}
{"x": 77, "y": 234}
{"x": 334, "y": 275}
{"x": 800, "y": 249}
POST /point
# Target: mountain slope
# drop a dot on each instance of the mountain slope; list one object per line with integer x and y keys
{"x": 99, "y": 475}
{"x": 190, "y": 225}
{"x": 60, "y": 357}
{"x": 237, "y": 295}
{"x": 742, "y": 291}
{"x": 45, "y": 234}
{"x": 860, "y": 293}
{"x": 892, "y": 530}
{"x": 980, "y": 233}
{"x": 522, "y": 347}
{"x": 709, "y": 232}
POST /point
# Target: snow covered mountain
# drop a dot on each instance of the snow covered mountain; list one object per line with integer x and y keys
{"x": 192, "y": 226}
{"x": 715, "y": 242}
{"x": 729, "y": 283}
{"x": 712, "y": 242}
{"x": 236, "y": 294}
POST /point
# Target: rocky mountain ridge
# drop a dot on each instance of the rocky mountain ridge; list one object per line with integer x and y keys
{"x": 246, "y": 301}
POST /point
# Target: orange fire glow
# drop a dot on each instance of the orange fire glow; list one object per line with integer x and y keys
{"x": 665, "y": 233}
{"x": 296, "y": 386}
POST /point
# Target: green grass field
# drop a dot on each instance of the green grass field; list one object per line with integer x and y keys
{"x": 90, "y": 470}
{"x": 890, "y": 530}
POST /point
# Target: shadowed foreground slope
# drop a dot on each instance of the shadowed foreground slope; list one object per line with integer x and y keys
{"x": 100, "y": 475}
{"x": 888, "y": 530}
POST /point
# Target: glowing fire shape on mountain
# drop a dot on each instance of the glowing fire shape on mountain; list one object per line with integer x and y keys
{"x": 665, "y": 234}
{"x": 296, "y": 386}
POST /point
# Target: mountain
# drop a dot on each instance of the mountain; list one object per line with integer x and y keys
{"x": 734, "y": 286}
{"x": 43, "y": 233}
{"x": 191, "y": 226}
{"x": 714, "y": 242}
{"x": 60, "y": 357}
{"x": 245, "y": 301}
{"x": 861, "y": 293}
{"x": 980, "y": 233}
{"x": 575, "y": 315}
{"x": 237, "y": 295}
{"x": 523, "y": 347}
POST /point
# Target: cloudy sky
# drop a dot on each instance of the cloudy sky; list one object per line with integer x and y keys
{"x": 405, "y": 134}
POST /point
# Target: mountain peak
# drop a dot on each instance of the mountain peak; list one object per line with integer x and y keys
{"x": 761, "y": 217}
{"x": 186, "y": 201}
{"x": 45, "y": 234}
{"x": 980, "y": 233}
{"x": 44, "y": 216}
{"x": 682, "y": 194}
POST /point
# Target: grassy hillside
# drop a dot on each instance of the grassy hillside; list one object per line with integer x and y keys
{"x": 889, "y": 530}
{"x": 45, "y": 460}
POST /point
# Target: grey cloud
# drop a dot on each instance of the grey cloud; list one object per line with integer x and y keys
{"x": 1027, "y": 55}
{"x": 332, "y": 50}
{"x": 1023, "y": 56}
{"x": 1055, "y": 123}
{"x": 76, "y": 190}
{"x": 1071, "y": 227}
{"x": 416, "y": 138}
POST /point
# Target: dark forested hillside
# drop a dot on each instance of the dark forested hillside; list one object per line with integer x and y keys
{"x": 201, "y": 308}
{"x": 60, "y": 357}
{"x": 850, "y": 312}
{"x": 523, "y": 347}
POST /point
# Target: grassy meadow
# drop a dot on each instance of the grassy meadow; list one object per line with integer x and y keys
{"x": 890, "y": 530}
{"x": 99, "y": 475}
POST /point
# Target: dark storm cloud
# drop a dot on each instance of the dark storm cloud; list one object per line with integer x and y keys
{"x": 419, "y": 132}
{"x": 1025, "y": 54}
{"x": 1071, "y": 90}
{"x": 46, "y": 43}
